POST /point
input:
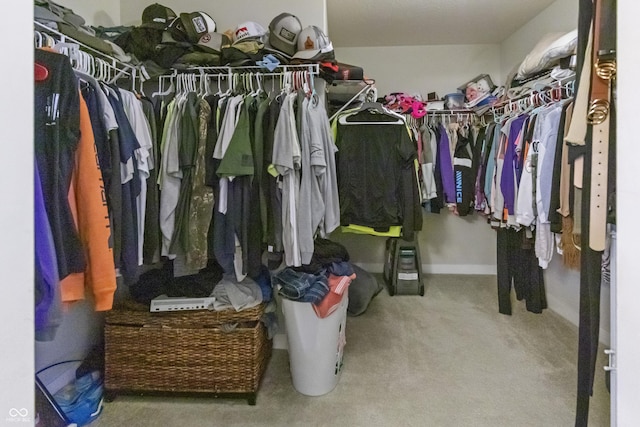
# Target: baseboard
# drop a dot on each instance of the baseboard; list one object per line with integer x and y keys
{"x": 573, "y": 316}
{"x": 557, "y": 306}
{"x": 481, "y": 269}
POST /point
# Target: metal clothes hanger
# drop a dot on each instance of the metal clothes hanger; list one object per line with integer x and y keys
{"x": 375, "y": 108}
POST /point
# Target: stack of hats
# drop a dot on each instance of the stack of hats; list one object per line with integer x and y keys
{"x": 188, "y": 39}
{"x": 172, "y": 40}
{"x": 287, "y": 38}
{"x": 247, "y": 44}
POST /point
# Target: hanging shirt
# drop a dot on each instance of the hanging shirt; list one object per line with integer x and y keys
{"x": 227, "y": 128}
{"x": 187, "y": 150}
{"x": 430, "y": 150}
{"x": 508, "y": 176}
{"x": 201, "y": 203}
{"x": 464, "y": 174}
{"x": 130, "y": 189}
{"x": 287, "y": 162}
{"x": 56, "y": 137}
{"x": 327, "y": 174}
{"x": 144, "y": 162}
{"x": 259, "y": 161}
{"x": 490, "y": 168}
{"x": 548, "y": 135}
{"x": 48, "y": 310}
{"x": 377, "y": 180}
{"x": 86, "y": 197}
{"x": 170, "y": 175}
{"x": 446, "y": 167}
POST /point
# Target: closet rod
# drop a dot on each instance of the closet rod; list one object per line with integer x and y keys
{"x": 227, "y": 69}
{"x": 450, "y": 112}
{"x": 566, "y": 83}
{"x": 542, "y": 97}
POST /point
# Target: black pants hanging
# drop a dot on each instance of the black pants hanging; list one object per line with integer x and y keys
{"x": 517, "y": 265}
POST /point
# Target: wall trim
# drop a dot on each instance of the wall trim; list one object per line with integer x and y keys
{"x": 568, "y": 313}
{"x": 554, "y": 304}
{"x": 480, "y": 269}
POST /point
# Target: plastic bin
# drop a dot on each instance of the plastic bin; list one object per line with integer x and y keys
{"x": 315, "y": 346}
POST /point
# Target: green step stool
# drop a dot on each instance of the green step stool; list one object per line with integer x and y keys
{"x": 403, "y": 267}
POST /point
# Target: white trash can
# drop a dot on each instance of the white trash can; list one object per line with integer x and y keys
{"x": 315, "y": 346}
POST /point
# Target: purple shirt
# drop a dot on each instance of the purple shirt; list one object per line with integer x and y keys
{"x": 446, "y": 167}
{"x": 507, "y": 180}
{"x": 46, "y": 267}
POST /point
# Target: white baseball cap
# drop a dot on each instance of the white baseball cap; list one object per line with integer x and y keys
{"x": 313, "y": 44}
{"x": 248, "y": 30}
{"x": 283, "y": 33}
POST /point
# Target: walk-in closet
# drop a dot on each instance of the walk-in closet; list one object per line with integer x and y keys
{"x": 320, "y": 213}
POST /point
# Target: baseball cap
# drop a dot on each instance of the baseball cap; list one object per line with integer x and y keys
{"x": 214, "y": 42}
{"x": 313, "y": 44}
{"x": 197, "y": 25}
{"x": 248, "y": 30}
{"x": 175, "y": 32}
{"x": 157, "y": 16}
{"x": 283, "y": 33}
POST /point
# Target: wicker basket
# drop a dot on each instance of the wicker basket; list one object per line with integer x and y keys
{"x": 214, "y": 352}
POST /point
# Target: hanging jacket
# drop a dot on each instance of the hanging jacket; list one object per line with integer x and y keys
{"x": 464, "y": 175}
{"x": 89, "y": 205}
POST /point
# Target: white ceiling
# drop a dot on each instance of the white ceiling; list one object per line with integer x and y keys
{"x": 356, "y": 23}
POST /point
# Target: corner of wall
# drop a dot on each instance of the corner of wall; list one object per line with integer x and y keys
{"x": 559, "y": 16}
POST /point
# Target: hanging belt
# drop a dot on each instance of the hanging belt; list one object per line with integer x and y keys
{"x": 604, "y": 64}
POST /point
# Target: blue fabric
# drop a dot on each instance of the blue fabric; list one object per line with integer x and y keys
{"x": 264, "y": 281}
{"x": 81, "y": 401}
{"x": 343, "y": 268}
{"x": 130, "y": 191}
{"x": 317, "y": 291}
{"x": 46, "y": 267}
{"x": 269, "y": 62}
{"x": 224, "y": 242}
{"x": 300, "y": 286}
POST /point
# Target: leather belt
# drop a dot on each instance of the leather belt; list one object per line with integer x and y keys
{"x": 604, "y": 71}
{"x": 604, "y": 65}
{"x": 578, "y": 127}
{"x": 599, "y": 176}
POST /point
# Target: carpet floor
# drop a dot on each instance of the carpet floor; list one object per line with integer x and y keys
{"x": 445, "y": 359}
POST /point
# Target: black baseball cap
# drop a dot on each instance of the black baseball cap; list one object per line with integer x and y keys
{"x": 157, "y": 16}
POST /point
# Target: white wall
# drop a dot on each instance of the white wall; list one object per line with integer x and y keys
{"x": 448, "y": 244}
{"x": 423, "y": 69}
{"x": 229, "y": 14}
{"x": 16, "y": 219}
{"x": 80, "y": 330}
{"x": 560, "y": 16}
{"x": 628, "y": 289}
{"x": 103, "y": 12}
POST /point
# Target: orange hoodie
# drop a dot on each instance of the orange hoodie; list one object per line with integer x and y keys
{"x": 89, "y": 206}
